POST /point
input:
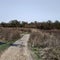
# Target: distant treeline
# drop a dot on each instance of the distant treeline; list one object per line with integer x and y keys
{"x": 39, "y": 25}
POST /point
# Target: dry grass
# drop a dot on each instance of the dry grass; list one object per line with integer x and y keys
{"x": 12, "y": 33}
{"x": 45, "y": 45}
{"x": 9, "y": 34}
{"x": 40, "y": 39}
{"x": 7, "y": 37}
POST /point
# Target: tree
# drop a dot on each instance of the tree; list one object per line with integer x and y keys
{"x": 24, "y": 24}
{"x": 57, "y": 24}
{"x": 49, "y": 24}
{"x": 14, "y": 23}
{"x": 3, "y": 24}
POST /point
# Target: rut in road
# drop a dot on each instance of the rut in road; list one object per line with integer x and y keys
{"x": 18, "y": 51}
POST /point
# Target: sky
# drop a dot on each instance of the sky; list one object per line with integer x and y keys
{"x": 29, "y": 10}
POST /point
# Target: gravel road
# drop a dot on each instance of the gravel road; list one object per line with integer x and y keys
{"x": 18, "y": 51}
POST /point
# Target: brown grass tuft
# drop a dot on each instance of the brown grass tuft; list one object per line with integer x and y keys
{"x": 45, "y": 45}
{"x": 9, "y": 34}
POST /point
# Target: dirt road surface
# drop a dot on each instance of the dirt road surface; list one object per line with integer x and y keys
{"x": 18, "y": 51}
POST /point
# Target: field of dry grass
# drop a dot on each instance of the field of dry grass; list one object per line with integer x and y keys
{"x": 56, "y": 33}
{"x": 10, "y": 35}
{"x": 45, "y": 45}
{"x": 7, "y": 37}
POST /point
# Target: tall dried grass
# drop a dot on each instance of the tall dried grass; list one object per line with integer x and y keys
{"x": 48, "y": 45}
{"x": 9, "y": 34}
{"x": 40, "y": 39}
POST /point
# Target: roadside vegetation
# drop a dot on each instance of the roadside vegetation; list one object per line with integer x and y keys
{"x": 8, "y": 37}
{"x": 5, "y": 45}
{"x": 45, "y": 46}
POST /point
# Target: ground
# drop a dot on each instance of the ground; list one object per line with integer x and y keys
{"x": 18, "y": 51}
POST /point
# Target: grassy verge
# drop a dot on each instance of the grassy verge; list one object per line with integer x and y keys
{"x": 36, "y": 52}
{"x": 6, "y": 45}
{"x": 44, "y": 46}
